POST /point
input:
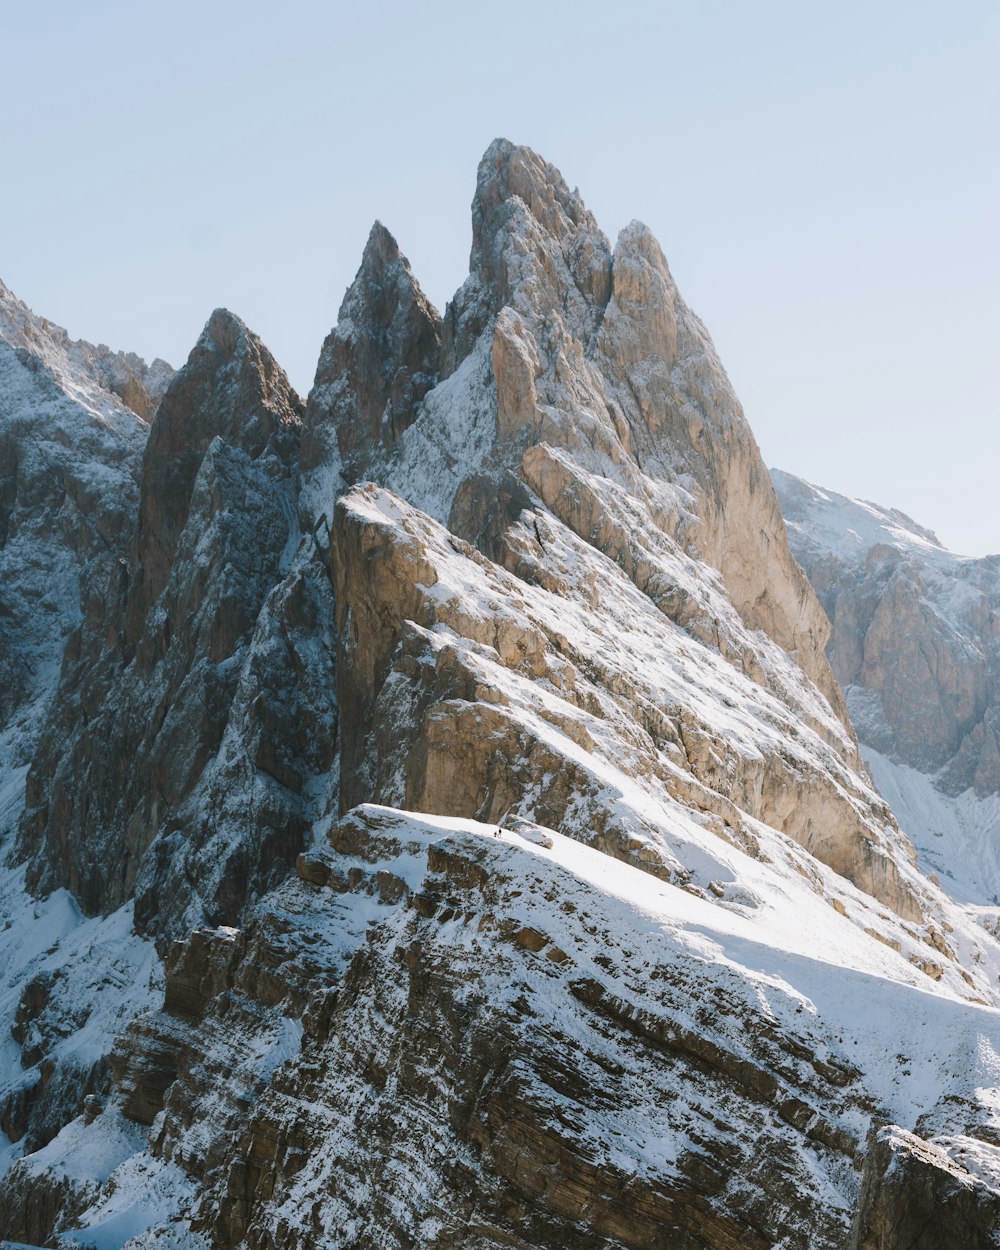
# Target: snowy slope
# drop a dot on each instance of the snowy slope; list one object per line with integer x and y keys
{"x": 602, "y": 978}
{"x": 99, "y": 379}
{"x": 696, "y": 967}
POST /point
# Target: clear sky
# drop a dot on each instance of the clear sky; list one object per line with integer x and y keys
{"x": 824, "y": 179}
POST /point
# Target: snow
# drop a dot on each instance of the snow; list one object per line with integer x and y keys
{"x": 451, "y": 438}
{"x": 84, "y": 373}
{"x": 849, "y": 528}
{"x": 145, "y": 1192}
{"x": 104, "y": 976}
{"x": 957, "y": 837}
{"x": 774, "y": 933}
{"x": 805, "y": 965}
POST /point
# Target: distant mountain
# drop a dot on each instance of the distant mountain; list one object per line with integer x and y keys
{"x": 916, "y": 645}
{"x": 444, "y": 826}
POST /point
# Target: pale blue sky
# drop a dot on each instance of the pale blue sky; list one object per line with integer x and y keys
{"x": 824, "y": 179}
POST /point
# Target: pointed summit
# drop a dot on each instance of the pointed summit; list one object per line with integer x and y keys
{"x": 535, "y": 247}
{"x": 509, "y": 172}
{"x": 381, "y": 250}
{"x": 232, "y": 388}
{"x": 376, "y": 364}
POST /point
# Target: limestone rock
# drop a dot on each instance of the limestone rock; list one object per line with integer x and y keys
{"x": 464, "y": 690}
{"x": 69, "y": 463}
{"x": 81, "y": 369}
{"x": 231, "y": 388}
{"x": 482, "y": 1047}
{"x": 557, "y": 347}
{"x": 916, "y": 643}
{"x": 498, "y": 821}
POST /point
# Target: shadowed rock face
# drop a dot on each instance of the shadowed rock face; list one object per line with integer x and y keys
{"x": 175, "y": 730}
{"x": 69, "y": 464}
{"x": 376, "y": 364}
{"x": 231, "y": 388}
{"x": 917, "y": 1195}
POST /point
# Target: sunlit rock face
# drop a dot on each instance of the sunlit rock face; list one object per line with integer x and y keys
{"x": 475, "y": 838}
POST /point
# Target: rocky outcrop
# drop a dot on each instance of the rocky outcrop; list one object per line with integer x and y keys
{"x": 597, "y": 932}
{"x": 467, "y": 691}
{"x": 567, "y": 362}
{"x": 916, "y": 643}
{"x": 70, "y": 460}
{"x": 918, "y": 1196}
{"x": 377, "y": 364}
{"x": 915, "y": 633}
{"x": 179, "y": 719}
{"x": 434, "y": 1030}
{"x": 231, "y": 389}
{"x": 83, "y": 371}
{"x": 69, "y": 463}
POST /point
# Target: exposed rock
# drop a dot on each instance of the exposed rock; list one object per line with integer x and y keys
{"x": 82, "y": 370}
{"x": 918, "y": 1196}
{"x": 916, "y": 644}
{"x": 669, "y": 987}
{"x": 467, "y": 691}
{"x": 232, "y": 389}
{"x": 501, "y": 1045}
{"x": 560, "y": 355}
{"x": 376, "y": 364}
{"x": 69, "y": 464}
{"x": 913, "y": 624}
{"x": 181, "y": 714}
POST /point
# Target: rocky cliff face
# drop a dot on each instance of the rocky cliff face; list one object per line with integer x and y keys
{"x": 69, "y": 459}
{"x": 377, "y": 364}
{"x": 596, "y": 928}
{"x": 178, "y": 716}
{"x": 916, "y": 643}
{"x": 70, "y": 463}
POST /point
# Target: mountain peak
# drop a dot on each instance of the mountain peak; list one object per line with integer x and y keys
{"x": 376, "y": 365}
{"x": 225, "y": 331}
{"x": 381, "y": 247}
{"x": 535, "y": 246}
{"x": 105, "y": 380}
{"x": 231, "y": 388}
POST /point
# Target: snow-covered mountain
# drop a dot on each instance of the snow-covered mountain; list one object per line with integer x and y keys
{"x": 463, "y": 741}
{"x": 915, "y": 643}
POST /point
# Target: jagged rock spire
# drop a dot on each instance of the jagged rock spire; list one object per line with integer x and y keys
{"x": 231, "y": 387}
{"x": 376, "y": 364}
{"x": 534, "y": 246}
